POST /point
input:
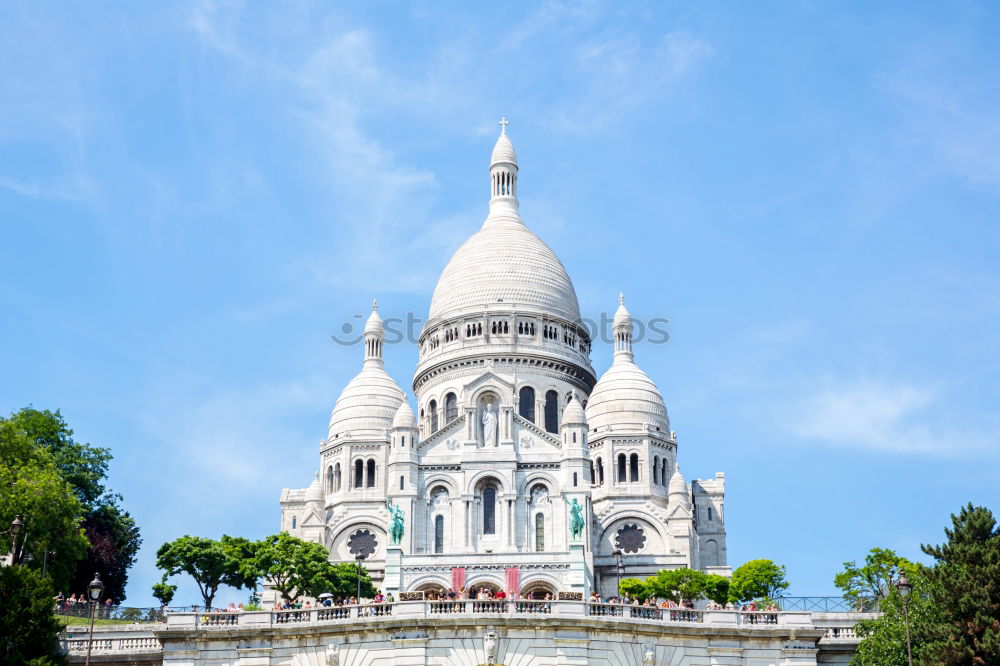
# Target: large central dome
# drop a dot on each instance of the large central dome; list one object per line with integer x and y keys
{"x": 504, "y": 262}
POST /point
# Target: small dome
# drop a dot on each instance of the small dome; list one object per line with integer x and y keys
{"x": 573, "y": 414}
{"x": 625, "y": 398}
{"x": 677, "y": 485}
{"x": 622, "y": 315}
{"x": 374, "y": 323}
{"x": 503, "y": 152}
{"x": 404, "y": 417}
{"x": 367, "y": 405}
{"x": 314, "y": 493}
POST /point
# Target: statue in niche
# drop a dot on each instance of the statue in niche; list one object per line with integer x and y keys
{"x": 489, "y": 426}
{"x": 576, "y": 522}
{"x": 539, "y": 495}
{"x": 332, "y": 654}
{"x": 490, "y": 644}
{"x": 649, "y": 656}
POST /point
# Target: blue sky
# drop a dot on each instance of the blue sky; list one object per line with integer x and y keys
{"x": 194, "y": 196}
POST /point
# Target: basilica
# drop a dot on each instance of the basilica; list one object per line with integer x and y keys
{"x": 510, "y": 439}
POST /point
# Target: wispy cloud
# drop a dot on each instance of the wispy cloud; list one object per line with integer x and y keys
{"x": 949, "y": 103}
{"x": 883, "y": 416}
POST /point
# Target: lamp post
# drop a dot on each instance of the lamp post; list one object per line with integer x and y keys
{"x": 620, "y": 569}
{"x": 16, "y": 527}
{"x": 358, "y": 559}
{"x": 905, "y": 587}
{"x": 94, "y": 592}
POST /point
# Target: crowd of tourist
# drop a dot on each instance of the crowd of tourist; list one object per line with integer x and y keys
{"x": 77, "y": 604}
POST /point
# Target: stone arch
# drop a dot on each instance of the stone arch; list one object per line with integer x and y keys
{"x": 476, "y": 482}
{"x": 656, "y": 539}
{"x": 339, "y": 544}
{"x": 429, "y": 582}
{"x": 538, "y": 476}
{"x": 536, "y": 582}
{"x": 503, "y": 394}
{"x": 439, "y": 479}
{"x": 527, "y": 396}
{"x": 494, "y": 583}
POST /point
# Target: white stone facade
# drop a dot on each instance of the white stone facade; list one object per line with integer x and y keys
{"x": 511, "y": 425}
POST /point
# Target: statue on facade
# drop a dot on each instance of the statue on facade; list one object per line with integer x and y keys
{"x": 489, "y": 426}
{"x": 332, "y": 654}
{"x": 649, "y": 656}
{"x": 396, "y": 517}
{"x": 490, "y": 644}
{"x": 576, "y": 522}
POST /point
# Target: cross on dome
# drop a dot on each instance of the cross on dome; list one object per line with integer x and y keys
{"x": 374, "y": 305}
{"x": 503, "y": 125}
{"x": 621, "y": 297}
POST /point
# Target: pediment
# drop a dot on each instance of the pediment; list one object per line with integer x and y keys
{"x": 488, "y": 377}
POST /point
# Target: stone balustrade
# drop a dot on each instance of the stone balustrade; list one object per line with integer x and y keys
{"x": 410, "y": 609}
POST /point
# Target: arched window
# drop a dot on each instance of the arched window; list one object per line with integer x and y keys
{"x": 656, "y": 470}
{"x": 336, "y": 478}
{"x": 450, "y": 407}
{"x": 551, "y": 411}
{"x": 539, "y": 533}
{"x": 433, "y": 409}
{"x": 710, "y": 513}
{"x": 371, "y": 473}
{"x": 526, "y": 403}
{"x": 600, "y": 472}
{"x": 621, "y": 467}
{"x": 402, "y": 480}
{"x": 489, "y": 510}
{"x": 633, "y": 467}
{"x": 359, "y": 473}
{"x": 329, "y": 479}
{"x": 663, "y": 472}
{"x": 439, "y": 534}
{"x": 593, "y": 474}
{"x": 575, "y": 479}
{"x": 295, "y": 522}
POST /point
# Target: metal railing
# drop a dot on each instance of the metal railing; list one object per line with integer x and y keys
{"x": 116, "y": 614}
{"x": 826, "y": 605}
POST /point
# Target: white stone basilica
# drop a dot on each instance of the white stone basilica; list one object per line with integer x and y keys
{"x": 511, "y": 426}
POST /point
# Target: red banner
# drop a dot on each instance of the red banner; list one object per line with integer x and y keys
{"x": 513, "y": 581}
{"x": 457, "y": 578}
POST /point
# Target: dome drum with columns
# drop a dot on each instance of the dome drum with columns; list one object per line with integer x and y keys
{"x": 509, "y": 430}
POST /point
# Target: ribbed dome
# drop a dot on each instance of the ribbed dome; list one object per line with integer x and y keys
{"x": 404, "y": 418}
{"x": 504, "y": 261}
{"x": 625, "y": 398}
{"x": 314, "y": 493}
{"x": 573, "y": 414}
{"x": 503, "y": 151}
{"x": 367, "y": 405}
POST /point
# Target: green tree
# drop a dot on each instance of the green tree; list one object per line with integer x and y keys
{"x": 757, "y": 579}
{"x": 210, "y": 563}
{"x": 164, "y": 592}
{"x": 112, "y": 534}
{"x": 29, "y": 629}
{"x": 295, "y": 568}
{"x": 344, "y": 581}
{"x": 688, "y": 584}
{"x": 634, "y": 587}
{"x": 883, "y": 639}
{"x": 866, "y": 585}
{"x": 31, "y": 486}
{"x": 965, "y": 585}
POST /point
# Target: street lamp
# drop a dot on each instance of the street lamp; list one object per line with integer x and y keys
{"x": 358, "y": 559}
{"x": 620, "y": 568}
{"x": 16, "y": 527}
{"x": 94, "y": 592}
{"x": 905, "y": 587}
